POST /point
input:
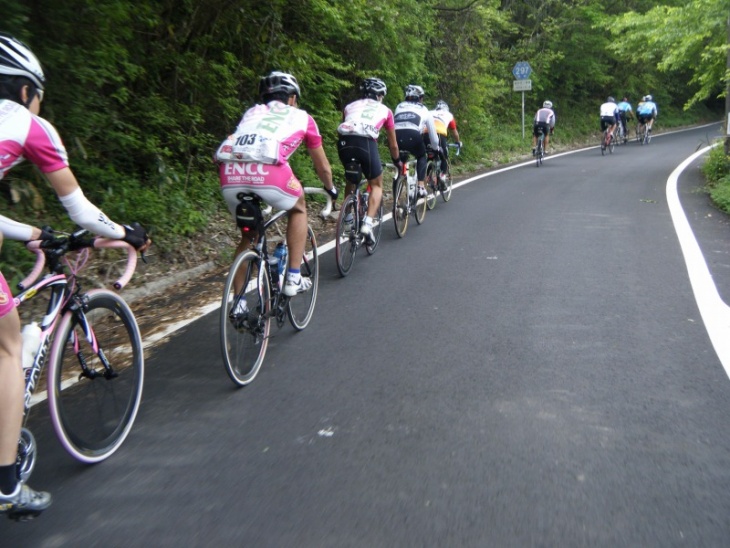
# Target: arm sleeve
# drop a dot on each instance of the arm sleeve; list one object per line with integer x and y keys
{"x": 13, "y": 230}
{"x": 432, "y": 135}
{"x": 90, "y": 217}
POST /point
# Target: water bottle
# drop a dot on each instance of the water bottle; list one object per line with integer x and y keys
{"x": 31, "y": 342}
{"x": 280, "y": 254}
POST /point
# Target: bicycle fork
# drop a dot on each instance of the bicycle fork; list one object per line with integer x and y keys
{"x": 90, "y": 336}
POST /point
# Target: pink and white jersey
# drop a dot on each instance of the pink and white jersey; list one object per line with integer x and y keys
{"x": 269, "y": 134}
{"x": 23, "y": 135}
{"x": 365, "y": 117}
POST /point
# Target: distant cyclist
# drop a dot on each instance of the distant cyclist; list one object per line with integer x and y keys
{"x": 647, "y": 112}
{"x": 545, "y": 119}
{"x": 609, "y": 117}
{"x": 256, "y": 159}
{"x": 357, "y": 144}
{"x": 412, "y": 119}
{"x": 25, "y": 135}
{"x": 625, "y": 113}
{"x": 444, "y": 122}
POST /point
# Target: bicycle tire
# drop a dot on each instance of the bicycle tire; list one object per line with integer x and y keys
{"x": 377, "y": 229}
{"x": 244, "y": 340}
{"x": 301, "y": 307}
{"x": 611, "y": 144}
{"x": 419, "y": 207}
{"x": 400, "y": 205}
{"x": 603, "y": 143}
{"x": 447, "y": 184}
{"x": 93, "y": 416}
{"x": 346, "y": 237}
{"x": 538, "y": 151}
{"x": 430, "y": 184}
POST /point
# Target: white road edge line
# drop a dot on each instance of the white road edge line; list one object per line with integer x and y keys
{"x": 714, "y": 311}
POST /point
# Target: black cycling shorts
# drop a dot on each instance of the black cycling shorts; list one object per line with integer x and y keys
{"x": 644, "y": 118}
{"x": 545, "y": 128}
{"x": 607, "y": 121}
{"x": 362, "y": 151}
{"x": 411, "y": 141}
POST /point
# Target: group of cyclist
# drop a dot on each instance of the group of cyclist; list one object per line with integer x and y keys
{"x": 613, "y": 113}
{"x": 254, "y": 159}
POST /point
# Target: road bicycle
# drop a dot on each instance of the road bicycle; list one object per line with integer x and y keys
{"x": 253, "y": 294}
{"x": 348, "y": 238}
{"x": 619, "y": 136}
{"x": 608, "y": 142}
{"x": 438, "y": 183}
{"x": 405, "y": 196}
{"x": 93, "y": 347}
{"x": 643, "y": 134}
{"x": 540, "y": 146}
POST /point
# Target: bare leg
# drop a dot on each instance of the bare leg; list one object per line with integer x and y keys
{"x": 376, "y": 194}
{"x": 11, "y": 387}
{"x": 296, "y": 233}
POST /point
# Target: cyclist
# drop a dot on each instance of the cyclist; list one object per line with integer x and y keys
{"x": 412, "y": 117}
{"x": 255, "y": 159}
{"x": 444, "y": 121}
{"x": 647, "y": 112}
{"x": 357, "y": 144}
{"x": 609, "y": 116}
{"x": 24, "y": 134}
{"x": 545, "y": 119}
{"x": 625, "y": 113}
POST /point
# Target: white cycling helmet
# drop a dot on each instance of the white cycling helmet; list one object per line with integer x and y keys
{"x": 441, "y": 105}
{"x": 649, "y": 98}
{"x": 414, "y": 91}
{"x": 547, "y": 104}
{"x": 374, "y": 86}
{"x": 277, "y": 82}
{"x": 16, "y": 59}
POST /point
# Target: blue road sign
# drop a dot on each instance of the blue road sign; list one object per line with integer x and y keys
{"x": 522, "y": 70}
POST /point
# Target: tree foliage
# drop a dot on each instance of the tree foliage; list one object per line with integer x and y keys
{"x": 142, "y": 91}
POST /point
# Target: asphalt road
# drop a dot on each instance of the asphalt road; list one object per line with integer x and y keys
{"x": 527, "y": 368}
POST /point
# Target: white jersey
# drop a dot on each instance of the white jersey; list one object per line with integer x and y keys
{"x": 416, "y": 116}
{"x": 546, "y": 116}
{"x": 365, "y": 117}
{"x": 609, "y": 109}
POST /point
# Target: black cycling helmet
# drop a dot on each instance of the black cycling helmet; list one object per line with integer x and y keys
{"x": 414, "y": 92}
{"x": 279, "y": 82}
{"x": 16, "y": 59}
{"x": 373, "y": 87}
{"x": 611, "y": 99}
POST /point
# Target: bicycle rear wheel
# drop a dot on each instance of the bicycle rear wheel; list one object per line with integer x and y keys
{"x": 95, "y": 388}
{"x": 245, "y": 318}
{"x": 431, "y": 188}
{"x": 538, "y": 151}
{"x": 603, "y": 143}
{"x": 301, "y": 306}
{"x": 400, "y": 205}
{"x": 611, "y": 144}
{"x": 346, "y": 236}
{"x": 377, "y": 228}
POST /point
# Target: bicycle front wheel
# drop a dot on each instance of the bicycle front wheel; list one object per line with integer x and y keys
{"x": 245, "y": 319}
{"x": 445, "y": 184}
{"x": 95, "y": 376}
{"x": 301, "y": 306}
{"x": 377, "y": 228}
{"x": 420, "y": 207}
{"x": 346, "y": 236}
{"x": 431, "y": 186}
{"x": 400, "y": 206}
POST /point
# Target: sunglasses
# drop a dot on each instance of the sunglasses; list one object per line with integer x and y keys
{"x": 40, "y": 93}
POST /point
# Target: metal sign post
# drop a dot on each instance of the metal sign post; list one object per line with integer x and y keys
{"x": 521, "y": 71}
